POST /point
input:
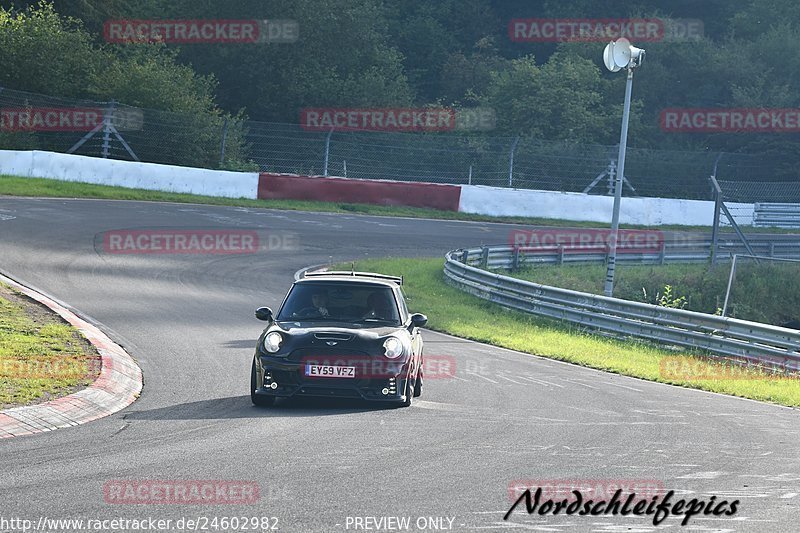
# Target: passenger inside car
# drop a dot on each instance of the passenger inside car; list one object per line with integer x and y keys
{"x": 379, "y": 306}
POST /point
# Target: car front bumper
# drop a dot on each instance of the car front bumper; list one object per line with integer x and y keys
{"x": 284, "y": 379}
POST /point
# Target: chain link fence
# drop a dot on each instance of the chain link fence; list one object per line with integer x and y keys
{"x": 213, "y": 140}
{"x": 31, "y": 121}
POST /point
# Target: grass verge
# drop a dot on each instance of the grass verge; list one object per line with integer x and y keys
{"x": 41, "y": 356}
{"x": 39, "y": 187}
{"x": 452, "y": 311}
{"x": 768, "y": 292}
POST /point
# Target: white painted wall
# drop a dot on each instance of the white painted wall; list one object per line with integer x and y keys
{"x": 498, "y": 201}
{"x": 151, "y": 176}
{"x": 495, "y": 201}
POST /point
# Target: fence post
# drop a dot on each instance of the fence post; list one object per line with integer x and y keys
{"x": 327, "y": 152}
{"x": 107, "y": 128}
{"x": 485, "y": 257}
{"x": 469, "y": 180}
{"x": 717, "y": 208}
{"x": 715, "y": 226}
{"x": 731, "y": 220}
{"x": 612, "y": 174}
{"x": 511, "y": 161}
{"x": 223, "y": 142}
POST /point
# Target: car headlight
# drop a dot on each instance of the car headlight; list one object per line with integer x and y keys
{"x": 392, "y": 348}
{"x": 272, "y": 342}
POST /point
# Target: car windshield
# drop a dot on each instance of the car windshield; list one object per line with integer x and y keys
{"x": 341, "y": 302}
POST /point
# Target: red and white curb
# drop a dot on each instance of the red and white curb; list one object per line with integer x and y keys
{"x": 118, "y": 386}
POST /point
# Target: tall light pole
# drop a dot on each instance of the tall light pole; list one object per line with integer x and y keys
{"x": 618, "y": 55}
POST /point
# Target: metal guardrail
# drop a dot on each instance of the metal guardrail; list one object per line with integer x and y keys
{"x": 684, "y": 251}
{"x": 776, "y": 215}
{"x": 762, "y": 344}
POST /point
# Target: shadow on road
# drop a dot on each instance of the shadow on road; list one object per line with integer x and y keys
{"x": 245, "y": 343}
{"x": 237, "y": 407}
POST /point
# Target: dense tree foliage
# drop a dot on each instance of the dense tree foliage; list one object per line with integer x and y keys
{"x": 416, "y": 52}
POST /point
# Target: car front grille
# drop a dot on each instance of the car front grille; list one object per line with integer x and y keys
{"x": 333, "y": 336}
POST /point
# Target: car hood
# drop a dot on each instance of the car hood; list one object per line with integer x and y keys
{"x": 364, "y": 331}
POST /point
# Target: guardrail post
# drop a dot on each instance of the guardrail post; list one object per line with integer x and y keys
{"x": 772, "y": 249}
{"x": 662, "y": 255}
{"x": 484, "y": 257}
{"x": 560, "y": 255}
{"x": 465, "y": 256}
{"x": 730, "y": 283}
{"x": 515, "y": 260}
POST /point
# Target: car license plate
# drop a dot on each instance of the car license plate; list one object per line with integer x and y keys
{"x": 330, "y": 371}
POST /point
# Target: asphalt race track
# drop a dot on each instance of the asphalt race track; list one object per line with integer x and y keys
{"x": 188, "y": 321}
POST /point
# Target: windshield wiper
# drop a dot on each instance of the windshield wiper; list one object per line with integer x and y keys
{"x": 367, "y": 320}
{"x": 309, "y": 319}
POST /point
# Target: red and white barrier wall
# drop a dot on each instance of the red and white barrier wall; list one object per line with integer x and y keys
{"x": 476, "y": 199}
{"x": 379, "y": 192}
{"x": 497, "y": 201}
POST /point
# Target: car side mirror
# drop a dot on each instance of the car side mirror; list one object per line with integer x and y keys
{"x": 264, "y": 313}
{"x": 418, "y": 320}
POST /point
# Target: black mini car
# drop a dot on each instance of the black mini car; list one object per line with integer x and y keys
{"x": 340, "y": 334}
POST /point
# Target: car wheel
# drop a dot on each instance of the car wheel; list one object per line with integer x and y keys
{"x": 258, "y": 400}
{"x": 418, "y": 384}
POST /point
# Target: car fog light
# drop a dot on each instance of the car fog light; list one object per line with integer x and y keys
{"x": 273, "y": 385}
{"x": 385, "y": 391}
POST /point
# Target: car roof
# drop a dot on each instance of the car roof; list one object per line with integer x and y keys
{"x": 367, "y": 278}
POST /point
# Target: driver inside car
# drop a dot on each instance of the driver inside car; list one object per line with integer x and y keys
{"x": 320, "y": 302}
{"x": 318, "y": 307}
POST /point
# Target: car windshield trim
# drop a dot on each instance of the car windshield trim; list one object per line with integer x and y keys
{"x": 345, "y": 302}
{"x": 372, "y": 319}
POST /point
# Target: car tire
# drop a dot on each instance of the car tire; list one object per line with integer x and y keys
{"x": 258, "y": 400}
{"x": 418, "y": 384}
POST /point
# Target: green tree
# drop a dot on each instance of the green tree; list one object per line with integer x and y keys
{"x": 566, "y": 98}
{"x": 44, "y": 52}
